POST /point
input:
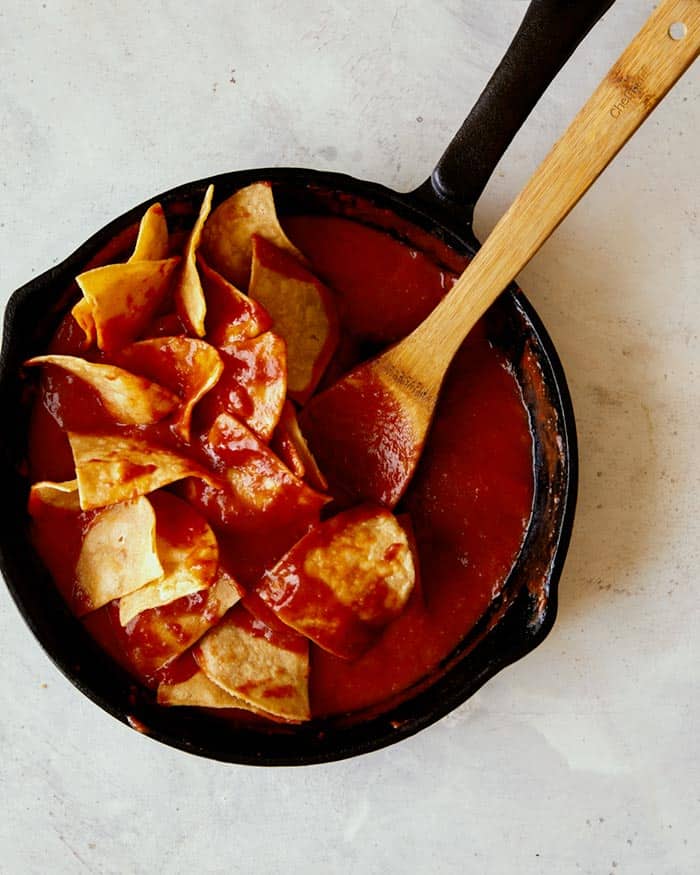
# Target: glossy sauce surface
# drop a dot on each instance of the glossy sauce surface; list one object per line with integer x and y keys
{"x": 469, "y": 503}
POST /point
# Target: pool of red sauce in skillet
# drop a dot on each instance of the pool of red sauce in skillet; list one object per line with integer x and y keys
{"x": 471, "y": 497}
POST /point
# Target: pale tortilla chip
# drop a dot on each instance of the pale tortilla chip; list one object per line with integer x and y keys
{"x": 344, "y": 580}
{"x": 290, "y": 445}
{"x": 231, "y": 315}
{"x": 189, "y": 297}
{"x": 187, "y": 366}
{"x": 251, "y": 662}
{"x": 124, "y": 298}
{"x": 127, "y": 398}
{"x": 302, "y": 312}
{"x": 118, "y": 467}
{"x": 197, "y": 690}
{"x": 156, "y": 637}
{"x": 152, "y": 241}
{"x": 63, "y": 495}
{"x": 82, "y": 313}
{"x": 118, "y": 554}
{"x": 260, "y": 493}
{"x": 226, "y": 241}
{"x": 253, "y": 385}
{"x": 188, "y": 551}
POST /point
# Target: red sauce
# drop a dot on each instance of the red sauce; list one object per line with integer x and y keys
{"x": 469, "y": 502}
{"x": 471, "y": 498}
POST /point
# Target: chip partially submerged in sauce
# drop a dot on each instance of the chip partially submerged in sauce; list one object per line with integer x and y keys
{"x": 193, "y": 517}
{"x": 344, "y": 580}
{"x": 265, "y": 671}
{"x": 127, "y": 398}
{"x": 95, "y": 556}
{"x": 302, "y": 312}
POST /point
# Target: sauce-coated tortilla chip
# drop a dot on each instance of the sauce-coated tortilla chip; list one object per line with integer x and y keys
{"x": 188, "y": 367}
{"x": 156, "y": 637}
{"x": 118, "y": 554}
{"x": 118, "y": 467}
{"x": 344, "y": 580}
{"x": 126, "y": 397}
{"x": 268, "y": 671}
{"x": 82, "y": 313}
{"x": 231, "y": 315}
{"x": 123, "y": 298}
{"x": 152, "y": 241}
{"x": 302, "y": 312}
{"x": 198, "y": 691}
{"x": 260, "y": 493}
{"x": 290, "y": 445}
{"x": 253, "y": 385}
{"x": 189, "y": 297}
{"x": 187, "y": 550}
{"x": 226, "y": 241}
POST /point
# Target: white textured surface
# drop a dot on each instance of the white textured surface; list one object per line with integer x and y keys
{"x": 584, "y": 757}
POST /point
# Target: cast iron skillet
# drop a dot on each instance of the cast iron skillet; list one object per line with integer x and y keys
{"x": 439, "y": 212}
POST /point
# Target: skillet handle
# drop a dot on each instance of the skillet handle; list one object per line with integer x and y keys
{"x": 548, "y": 35}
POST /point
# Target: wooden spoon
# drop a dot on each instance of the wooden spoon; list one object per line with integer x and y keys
{"x": 368, "y": 430}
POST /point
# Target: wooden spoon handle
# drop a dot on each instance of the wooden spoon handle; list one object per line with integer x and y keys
{"x": 664, "y": 48}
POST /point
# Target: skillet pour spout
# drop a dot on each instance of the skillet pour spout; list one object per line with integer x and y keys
{"x": 436, "y": 218}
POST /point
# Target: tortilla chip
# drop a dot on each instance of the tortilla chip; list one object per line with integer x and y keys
{"x": 196, "y": 690}
{"x": 186, "y": 684}
{"x": 187, "y": 550}
{"x": 124, "y": 298}
{"x": 253, "y": 384}
{"x": 302, "y": 312}
{"x": 152, "y": 241}
{"x": 226, "y": 241}
{"x": 259, "y": 494}
{"x": 63, "y": 495}
{"x": 127, "y": 398}
{"x": 82, "y": 313}
{"x": 189, "y": 297}
{"x": 118, "y": 554}
{"x": 188, "y": 367}
{"x": 344, "y": 580}
{"x": 156, "y": 637}
{"x": 290, "y": 445}
{"x": 287, "y": 452}
{"x": 269, "y": 672}
{"x": 231, "y": 315}
{"x": 118, "y": 467}
{"x": 57, "y": 531}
